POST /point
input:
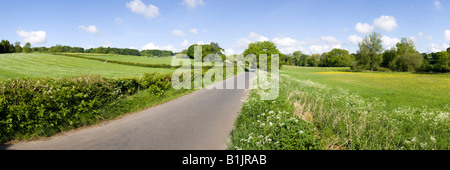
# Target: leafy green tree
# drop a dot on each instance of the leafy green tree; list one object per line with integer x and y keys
{"x": 448, "y": 50}
{"x": 27, "y": 48}
{"x": 388, "y": 57}
{"x": 212, "y": 48}
{"x": 443, "y": 62}
{"x": 369, "y": 52}
{"x": 406, "y": 46}
{"x": 337, "y": 58}
{"x": 17, "y": 47}
{"x": 264, "y": 47}
{"x": 7, "y": 47}
{"x": 406, "y": 57}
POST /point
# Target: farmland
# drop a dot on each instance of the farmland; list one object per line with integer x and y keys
{"x": 35, "y": 65}
{"x": 332, "y": 108}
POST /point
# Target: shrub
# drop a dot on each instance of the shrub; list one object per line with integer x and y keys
{"x": 41, "y": 107}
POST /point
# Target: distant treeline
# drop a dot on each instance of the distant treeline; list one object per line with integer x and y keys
{"x": 371, "y": 56}
{"x": 7, "y": 47}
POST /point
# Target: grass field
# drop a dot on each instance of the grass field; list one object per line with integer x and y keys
{"x": 35, "y": 65}
{"x": 331, "y": 108}
{"x": 395, "y": 88}
{"x": 129, "y": 58}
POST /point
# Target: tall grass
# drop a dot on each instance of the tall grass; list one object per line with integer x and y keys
{"x": 335, "y": 118}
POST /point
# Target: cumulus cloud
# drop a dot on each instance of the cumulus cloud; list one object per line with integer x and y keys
{"x": 289, "y": 45}
{"x": 229, "y": 51}
{"x": 389, "y": 42}
{"x": 252, "y": 37}
{"x": 34, "y": 37}
{"x": 107, "y": 44}
{"x": 326, "y": 44}
{"x": 354, "y": 39}
{"x": 138, "y": 7}
{"x": 152, "y": 46}
{"x": 386, "y": 23}
{"x": 191, "y": 4}
{"x": 437, "y": 4}
{"x": 178, "y": 33}
{"x": 363, "y": 28}
{"x": 185, "y": 44}
{"x": 433, "y": 48}
{"x": 447, "y": 35}
{"x": 91, "y": 29}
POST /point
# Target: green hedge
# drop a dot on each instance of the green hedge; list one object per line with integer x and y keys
{"x": 41, "y": 107}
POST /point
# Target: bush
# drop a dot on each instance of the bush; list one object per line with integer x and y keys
{"x": 42, "y": 107}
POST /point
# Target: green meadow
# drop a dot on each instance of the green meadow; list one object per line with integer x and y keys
{"x": 36, "y": 65}
{"x": 335, "y": 109}
{"x": 395, "y": 88}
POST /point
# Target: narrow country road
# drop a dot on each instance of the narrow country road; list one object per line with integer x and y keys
{"x": 201, "y": 120}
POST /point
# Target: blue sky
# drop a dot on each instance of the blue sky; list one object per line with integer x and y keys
{"x": 311, "y": 26}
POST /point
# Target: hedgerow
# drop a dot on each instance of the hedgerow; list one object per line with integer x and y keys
{"x": 41, "y": 107}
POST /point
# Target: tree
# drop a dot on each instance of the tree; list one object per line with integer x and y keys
{"x": 388, "y": 57}
{"x": 7, "y": 47}
{"x": 27, "y": 48}
{"x": 406, "y": 57}
{"x": 443, "y": 62}
{"x": 17, "y": 47}
{"x": 264, "y": 47}
{"x": 406, "y": 46}
{"x": 448, "y": 50}
{"x": 369, "y": 52}
{"x": 337, "y": 58}
{"x": 407, "y": 62}
{"x": 212, "y": 48}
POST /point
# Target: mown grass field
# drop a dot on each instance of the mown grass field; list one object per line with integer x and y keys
{"x": 36, "y": 65}
{"x": 129, "y": 58}
{"x": 331, "y": 108}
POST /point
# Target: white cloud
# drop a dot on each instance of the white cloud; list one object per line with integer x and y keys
{"x": 191, "y": 4}
{"x": 447, "y": 35}
{"x": 185, "y": 44}
{"x": 138, "y": 7}
{"x": 363, "y": 28}
{"x": 229, "y": 51}
{"x": 289, "y": 45}
{"x": 429, "y": 38}
{"x": 193, "y": 31}
{"x": 107, "y": 44}
{"x": 354, "y": 39}
{"x": 287, "y": 42}
{"x": 200, "y": 43}
{"x": 91, "y": 29}
{"x": 257, "y": 37}
{"x": 34, "y": 37}
{"x": 252, "y": 37}
{"x": 437, "y": 4}
{"x": 386, "y": 23}
{"x": 389, "y": 42}
{"x": 328, "y": 43}
{"x": 178, "y": 33}
{"x": 433, "y": 48}
{"x": 152, "y": 46}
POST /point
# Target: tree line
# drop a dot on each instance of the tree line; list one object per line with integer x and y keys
{"x": 371, "y": 56}
{"x": 7, "y": 47}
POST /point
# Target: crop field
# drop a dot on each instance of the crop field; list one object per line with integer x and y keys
{"x": 129, "y": 58}
{"x": 332, "y": 108}
{"x": 36, "y": 65}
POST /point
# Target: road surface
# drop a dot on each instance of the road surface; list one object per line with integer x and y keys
{"x": 201, "y": 120}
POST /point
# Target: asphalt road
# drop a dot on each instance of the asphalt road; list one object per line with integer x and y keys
{"x": 201, "y": 120}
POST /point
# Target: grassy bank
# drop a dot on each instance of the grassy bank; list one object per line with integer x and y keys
{"x": 336, "y": 114}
